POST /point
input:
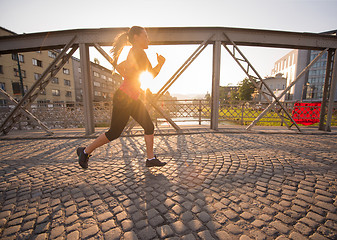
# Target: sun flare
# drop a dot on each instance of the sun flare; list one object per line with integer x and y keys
{"x": 145, "y": 79}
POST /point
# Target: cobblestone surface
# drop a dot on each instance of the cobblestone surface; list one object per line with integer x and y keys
{"x": 215, "y": 186}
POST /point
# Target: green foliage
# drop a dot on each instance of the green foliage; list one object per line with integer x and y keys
{"x": 246, "y": 89}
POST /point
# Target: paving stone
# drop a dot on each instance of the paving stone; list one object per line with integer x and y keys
{"x": 71, "y": 219}
{"x": 56, "y": 232}
{"x": 258, "y": 235}
{"x": 222, "y": 235}
{"x": 165, "y": 231}
{"x": 230, "y": 214}
{"x": 104, "y": 216}
{"x": 11, "y": 230}
{"x": 205, "y": 235}
{"x": 317, "y": 236}
{"x": 281, "y": 227}
{"x": 327, "y": 232}
{"x": 188, "y": 237}
{"x": 106, "y": 226}
{"x": 147, "y": 233}
{"x": 234, "y": 229}
{"x": 76, "y": 226}
{"x": 91, "y": 231}
{"x": 42, "y": 236}
{"x": 204, "y": 217}
{"x": 179, "y": 227}
{"x": 130, "y": 235}
{"x": 245, "y": 237}
{"x": 43, "y": 227}
{"x": 156, "y": 221}
{"x": 195, "y": 225}
{"x": 316, "y": 217}
{"x": 247, "y": 215}
{"x": 113, "y": 234}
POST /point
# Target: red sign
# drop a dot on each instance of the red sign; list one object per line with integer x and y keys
{"x": 306, "y": 113}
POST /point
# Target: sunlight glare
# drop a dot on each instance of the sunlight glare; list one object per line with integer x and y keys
{"x": 146, "y": 80}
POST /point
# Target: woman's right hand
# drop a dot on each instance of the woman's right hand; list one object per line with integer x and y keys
{"x": 161, "y": 60}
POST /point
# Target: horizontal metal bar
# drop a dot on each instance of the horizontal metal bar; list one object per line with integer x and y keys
{"x": 169, "y": 36}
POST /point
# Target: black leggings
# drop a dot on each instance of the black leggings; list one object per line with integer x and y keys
{"x": 124, "y": 107}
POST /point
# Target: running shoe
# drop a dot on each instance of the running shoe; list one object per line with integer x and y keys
{"x": 82, "y": 157}
{"x": 154, "y": 162}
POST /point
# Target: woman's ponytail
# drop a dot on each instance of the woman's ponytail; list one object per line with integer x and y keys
{"x": 119, "y": 43}
{"x": 122, "y": 40}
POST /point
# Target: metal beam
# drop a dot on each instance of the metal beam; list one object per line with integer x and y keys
{"x": 87, "y": 90}
{"x": 331, "y": 95}
{"x": 215, "y": 85}
{"x": 169, "y": 36}
{"x": 182, "y": 68}
{"x": 327, "y": 84}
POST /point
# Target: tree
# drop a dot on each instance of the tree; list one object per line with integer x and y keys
{"x": 208, "y": 96}
{"x": 246, "y": 89}
{"x": 234, "y": 96}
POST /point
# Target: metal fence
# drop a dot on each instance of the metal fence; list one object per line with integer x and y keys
{"x": 181, "y": 111}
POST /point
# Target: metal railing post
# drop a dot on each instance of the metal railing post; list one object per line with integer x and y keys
{"x": 331, "y": 96}
{"x": 327, "y": 84}
{"x": 87, "y": 90}
{"x": 215, "y": 85}
{"x": 200, "y": 109}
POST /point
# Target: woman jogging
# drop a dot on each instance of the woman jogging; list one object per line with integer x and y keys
{"x": 126, "y": 100}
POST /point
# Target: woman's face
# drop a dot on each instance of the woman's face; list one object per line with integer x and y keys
{"x": 141, "y": 40}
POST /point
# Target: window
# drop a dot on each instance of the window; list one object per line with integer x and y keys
{"x": 68, "y": 94}
{"x": 66, "y": 71}
{"x": 16, "y": 88}
{"x": 3, "y": 86}
{"x": 1, "y": 69}
{"x": 51, "y": 54}
{"x": 15, "y": 57}
{"x": 80, "y": 80}
{"x": 3, "y": 102}
{"x": 79, "y": 70}
{"x": 55, "y": 80}
{"x": 103, "y": 76}
{"x": 96, "y": 74}
{"x": 43, "y": 92}
{"x": 56, "y": 92}
{"x": 97, "y": 84}
{"x": 66, "y": 82}
{"x": 110, "y": 79}
{"x": 17, "y": 74}
{"x": 37, "y": 76}
{"x": 98, "y": 94}
{"x": 37, "y": 62}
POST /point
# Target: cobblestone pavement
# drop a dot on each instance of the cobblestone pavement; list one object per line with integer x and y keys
{"x": 215, "y": 186}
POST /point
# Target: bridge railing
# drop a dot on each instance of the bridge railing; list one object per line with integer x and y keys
{"x": 181, "y": 111}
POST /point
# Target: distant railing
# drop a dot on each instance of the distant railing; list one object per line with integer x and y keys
{"x": 181, "y": 111}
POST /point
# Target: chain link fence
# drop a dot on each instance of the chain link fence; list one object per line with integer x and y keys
{"x": 181, "y": 111}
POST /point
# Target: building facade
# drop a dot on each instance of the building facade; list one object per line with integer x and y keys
{"x": 59, "y": 91}
{"x": 63, "y": 90}
{"x": 310, "y": 86}
{"x": 313, "y": 88}
{"x": 291, "y": 65}
{"x": 277, "y": 84}
{"x": 104, "y": 82}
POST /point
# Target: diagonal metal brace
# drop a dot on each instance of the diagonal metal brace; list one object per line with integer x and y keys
{"x": 259, "y": 86}
{"x": 40, "y": 84}
{"x": 264, "y": 112}
{"x": 27, "y": 114}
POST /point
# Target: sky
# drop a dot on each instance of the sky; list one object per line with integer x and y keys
{"x": 29, "y": 16}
